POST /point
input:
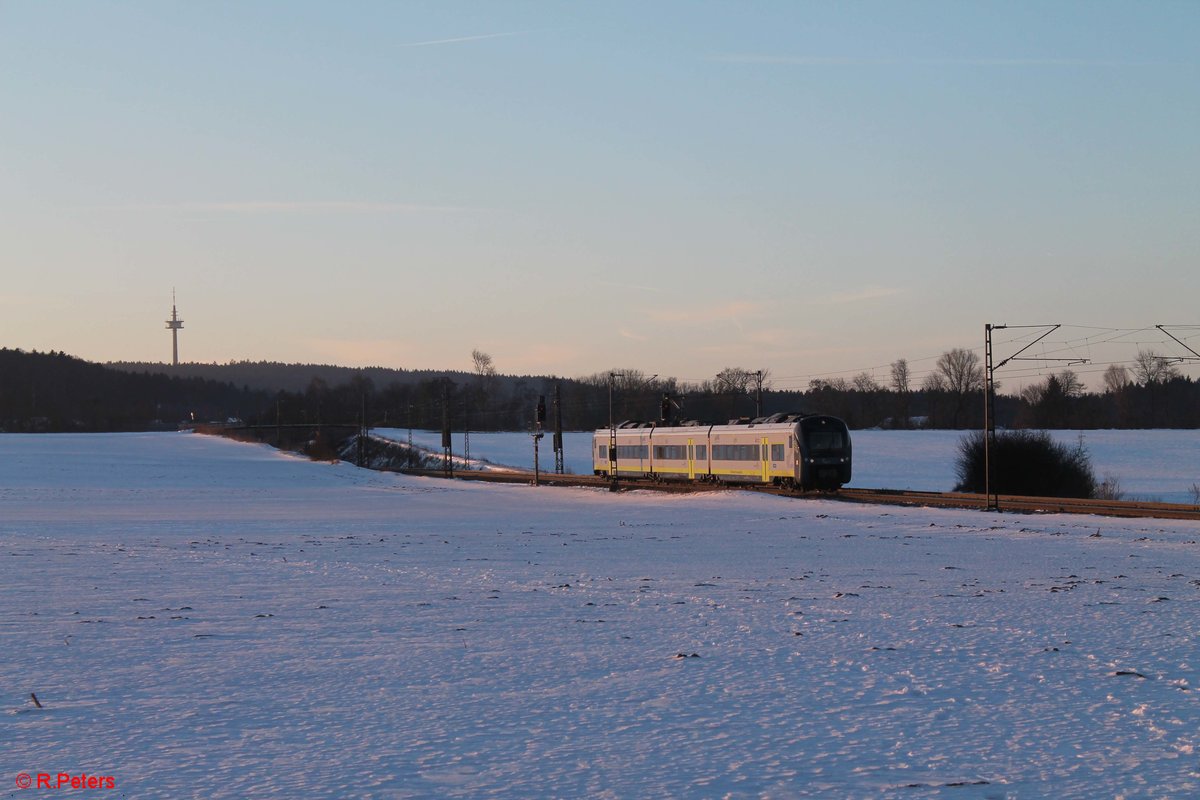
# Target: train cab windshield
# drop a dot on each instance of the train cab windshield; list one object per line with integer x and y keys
{"x": 825, "y": 436}
{"x": 821, "y": 443}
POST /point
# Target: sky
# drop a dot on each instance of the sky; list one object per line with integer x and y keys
{"x": 812, "y": 188}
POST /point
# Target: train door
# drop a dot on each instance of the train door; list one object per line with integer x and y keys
{"x": 691, "y": 457}
{"x": 765, "y": 456}
{"x": 794, "y": 458}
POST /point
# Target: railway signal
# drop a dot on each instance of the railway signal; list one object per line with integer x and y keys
{"x": 539, "y": 416}
{"x": 559, "y": 467}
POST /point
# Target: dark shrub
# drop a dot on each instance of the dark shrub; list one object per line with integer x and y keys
{"x": 1026, "y": 463}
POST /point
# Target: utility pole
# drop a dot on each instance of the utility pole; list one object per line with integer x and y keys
{"x": 990, "y": 490}
{"x": 362, "y": 433}
{"x": 447, "y": 461}
{"x": 410, "y": 458}
{"x": 989, "y": 416}
{"x": 559, "y": 468}
{"x": 612, "y": 433}
{"x": 612, "y": 426}
{"x": 539, "y": 416}
{"x": 466, "y": 429}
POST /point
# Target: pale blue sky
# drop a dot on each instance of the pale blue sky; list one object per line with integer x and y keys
{"x": 815, "y": 188}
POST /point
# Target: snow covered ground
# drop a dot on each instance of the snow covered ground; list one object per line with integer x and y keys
{"x": 206, "y": 618}
{"x": 1160, "y": 464}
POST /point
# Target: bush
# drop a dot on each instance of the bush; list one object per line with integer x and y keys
{"x": 1109, "y": 489}
{"x": 1026, "y": 463}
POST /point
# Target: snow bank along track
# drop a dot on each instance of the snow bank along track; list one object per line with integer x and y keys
{"x": 1044, "y": 505}
{"x": 1112, "y": 508}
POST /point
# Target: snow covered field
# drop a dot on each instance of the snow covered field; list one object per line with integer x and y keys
{"x": 206, "y": 618}
{"x": 1158, "y": 464}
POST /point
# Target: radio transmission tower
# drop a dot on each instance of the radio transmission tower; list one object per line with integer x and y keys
{"x": 174, "y": 325}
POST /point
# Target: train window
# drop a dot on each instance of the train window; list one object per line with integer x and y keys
{"x": 736, "y": 452}
{"x": 701, "y": 452}
{"x": 825, "y": 441}
{"x": 602, "y": 452}
{"x": 777, "y": 452}
{"x": 632, "y": 451}
{"x": 670, "y": 451}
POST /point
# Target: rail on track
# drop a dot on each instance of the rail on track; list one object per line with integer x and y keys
{"x": 1005, "y": 503}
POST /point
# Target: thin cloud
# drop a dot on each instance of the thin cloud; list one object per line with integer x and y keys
{"x": 732, "y": 311}
{"x": 300, "y": 206}
{"x": 862, "y": 295}
{"x": 625, "y": 333}
{"x": 41, "y": 302}
{"x": 364, "y": 352}
{"x": 460, "y": 39}
{"x": 823, "y": 61}
{"x": 535, "y": 358}
{"x": 628, "y": 286}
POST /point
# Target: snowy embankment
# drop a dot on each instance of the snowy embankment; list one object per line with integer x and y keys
{"x": 205, "y": 618}
{"x": 1162, "y": 465}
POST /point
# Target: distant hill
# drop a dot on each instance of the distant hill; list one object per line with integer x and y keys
{"x": 57, "y": 392}
{"x": 42, "y": 392}
{"x": 273, "y": 376}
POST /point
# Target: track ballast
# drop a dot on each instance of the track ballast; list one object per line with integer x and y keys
{"x": 1013, "y": 503}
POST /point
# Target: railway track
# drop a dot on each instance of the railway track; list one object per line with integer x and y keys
{"x": 1009, "y": 503}
{"x": 1023, "y": 504}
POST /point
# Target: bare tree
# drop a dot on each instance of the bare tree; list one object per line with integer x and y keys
{"x": 1116, "y": 385}
{"x": 958, "y": 374}
{"x": 900, "y": 376}
{"x": 1116, "y": 378}
{"x": 1071, "y": 385}
{"x": 629, "y": 379}
{"x": 733, "y": 380}
{"x": 1052, "y": 401}
{"x": 633, "y": 392}
{"x": 961, "y": 370}
{"x": 484, "y": 367}
{"x": 1032, "y": 394}
{"x": 900, "y": 385}
{"x": 1150, "y": 368}
{"x": 865, "y": 382}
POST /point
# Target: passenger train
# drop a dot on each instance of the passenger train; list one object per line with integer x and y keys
{"x": 804, "y": 451}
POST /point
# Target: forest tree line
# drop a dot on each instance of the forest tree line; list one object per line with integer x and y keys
{"x": 56, "y": 392}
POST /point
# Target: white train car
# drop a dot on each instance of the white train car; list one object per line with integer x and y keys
{"x": 807, "y": 451}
